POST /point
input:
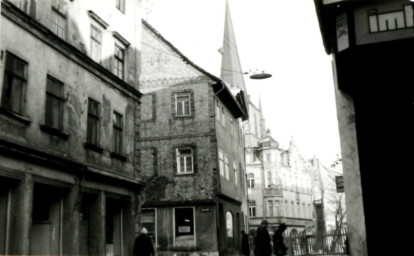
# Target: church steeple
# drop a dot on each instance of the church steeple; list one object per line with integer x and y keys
{"x": 263, "y": 131}
{"x": 231, "y": 70}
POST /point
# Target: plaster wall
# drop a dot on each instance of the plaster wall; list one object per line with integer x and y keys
{"x": 79, "y": 85}
{"x": 79, "y": 21}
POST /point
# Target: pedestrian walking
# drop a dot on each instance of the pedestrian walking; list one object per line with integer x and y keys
{"x": 279, "y": 247}
{"x": 262, "y": 240}
{"x": 347, "y": 252}
{"x": 143, "y": 244}
{"x": 245, "y": 244}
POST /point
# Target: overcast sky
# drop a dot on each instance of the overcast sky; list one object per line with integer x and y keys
{"x": 280, "y": 37}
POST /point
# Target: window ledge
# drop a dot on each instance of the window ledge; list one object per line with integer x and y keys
{"x": 118, "y": 156}
{"x": 184, "y": 174}
{"x": 54, "y": 131}
{"x": 188, "y": 116}
{"x": 92, "y": 147}
{"x": 15, "y": 116}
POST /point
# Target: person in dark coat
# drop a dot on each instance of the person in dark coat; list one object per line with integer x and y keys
{"x": 279, "y": 247}
{"x": 262, "y": 245}
{"x": 245, "y": 244}
{"x": 347, "y": 251}
{"x": 143, "y": 244}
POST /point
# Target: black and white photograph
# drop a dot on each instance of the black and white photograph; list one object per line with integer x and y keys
{"x": 206, "y": 127}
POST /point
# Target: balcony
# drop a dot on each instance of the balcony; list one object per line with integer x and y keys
{"x": 273, "y": 190}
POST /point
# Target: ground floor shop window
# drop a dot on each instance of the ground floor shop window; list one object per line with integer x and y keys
{"x": 184, "y": 226}
{"x": 46, "y": 237}
{"x": 229, "y": 224}
{"x": 114, "y": 218}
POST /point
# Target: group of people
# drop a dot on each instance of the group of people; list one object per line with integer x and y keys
{"x": 263, "y": 242}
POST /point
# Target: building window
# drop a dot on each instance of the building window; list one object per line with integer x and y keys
{"x": 96, "y": 44}
{"x": 269, "y": 179}
{"x": 118, "y": 132}
{"x": 250, "y": 180}
{"x": 248, "y": 158}
{"x": 221, "y": 162}
{"x": 252, "y": 208}
{"x": 14, "y": 83}
{"x": 229, "y": 224}
{"x": 182, "y": 104}
{"x": 93, "y": 122}
{"x": 58, "y": 19}
{"x": 26, "y": 6}
{"x": 270, "y": 208}
{"x": 184, "y": 227}
{"x": 268, "y": 157}
{"x": 184, "y": 160}
{"x": 277, "y": 208}
{"x": 287, "y": 209}
{"x": 226, "y": 167}
{"x": 218, "y": 111}
{"x": 292, "y": 208}
{"x": 54, "y": 103}
{"x": 119, "y": 61}
{"x": 120, "y": 5}
{"x": 148, "y": 221}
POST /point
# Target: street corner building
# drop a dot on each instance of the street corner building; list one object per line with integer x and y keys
{"x": 192, "y": 151}
{"x": 69, "y": 116}
{"x": 369, "y": 42}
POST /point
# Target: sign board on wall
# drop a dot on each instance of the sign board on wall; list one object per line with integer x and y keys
{"x": 383, "y": 21}
{"x": 342, "y": 37}
{"x": 339, "y": 184}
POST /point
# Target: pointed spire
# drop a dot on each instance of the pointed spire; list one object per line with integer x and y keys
{"x": 231, "y": 70}
{"x": 262, "y": 119}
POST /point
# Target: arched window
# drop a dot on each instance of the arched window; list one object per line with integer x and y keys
{"x": 229, "y": 224}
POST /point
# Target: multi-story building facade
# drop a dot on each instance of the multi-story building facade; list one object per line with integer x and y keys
{"x": 279, "y": 181}
{"x": 192, "y": 153}
{"x": 69, "y": 113}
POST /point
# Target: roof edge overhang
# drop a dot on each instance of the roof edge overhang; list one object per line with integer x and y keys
{"x": 219, "y": 87}
{"x": 326, "y": 12}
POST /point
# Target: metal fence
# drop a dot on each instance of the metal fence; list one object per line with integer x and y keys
{"x": 330, "y": 243}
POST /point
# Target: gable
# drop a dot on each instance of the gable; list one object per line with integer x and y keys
{"x": 161, "y": 65}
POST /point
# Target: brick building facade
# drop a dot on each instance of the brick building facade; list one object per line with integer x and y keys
{"x": 69, "y": 116}
{"x": 192, "y": 153}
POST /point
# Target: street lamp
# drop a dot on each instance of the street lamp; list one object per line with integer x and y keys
{"x": 262, "y": 75}
{"x": 258, "y": 75}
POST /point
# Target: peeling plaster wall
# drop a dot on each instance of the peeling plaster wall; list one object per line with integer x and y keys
{"x": 79, "y": 25}
{"x": 79, "y": 84}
